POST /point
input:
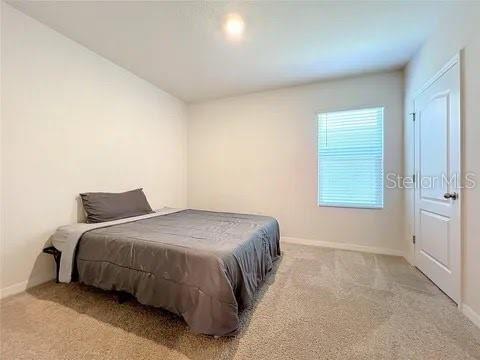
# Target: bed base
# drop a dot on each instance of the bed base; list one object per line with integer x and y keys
{"x": 122, "y": 296}
{"x": 57, "y": 254}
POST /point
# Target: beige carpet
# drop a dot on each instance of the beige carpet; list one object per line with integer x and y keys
{"x": 319, "y": 304}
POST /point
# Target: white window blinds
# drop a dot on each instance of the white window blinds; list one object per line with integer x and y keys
{"x": 350, "y": 158}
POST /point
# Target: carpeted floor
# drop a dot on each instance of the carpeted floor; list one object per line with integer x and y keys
{"x": 318, "y": 304}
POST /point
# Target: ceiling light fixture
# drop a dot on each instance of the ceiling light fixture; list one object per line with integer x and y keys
{"x": 234, "y": 26}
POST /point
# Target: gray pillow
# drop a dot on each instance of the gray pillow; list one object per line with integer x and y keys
{"x": 101, "y": 206}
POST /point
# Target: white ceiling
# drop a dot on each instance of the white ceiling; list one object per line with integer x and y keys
{"x": 180, "y": 47}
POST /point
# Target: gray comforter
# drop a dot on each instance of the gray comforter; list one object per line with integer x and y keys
{"x": 204, "y": 266}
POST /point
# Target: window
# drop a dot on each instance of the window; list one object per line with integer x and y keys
{"x": 350, "y": 158}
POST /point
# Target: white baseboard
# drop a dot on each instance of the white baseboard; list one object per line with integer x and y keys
{"x": 410, "y": 258}
{"x": 24, "y": 285}
{"x": 472, "y": 315}
{"x": 343, "y": 246}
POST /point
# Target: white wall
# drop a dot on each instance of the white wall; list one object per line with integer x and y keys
{"x": 258, "y": 153}
{"x": 72, "y": 122}
{"x": 460, "y": 31}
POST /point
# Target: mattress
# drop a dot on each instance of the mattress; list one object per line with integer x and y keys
{"x": 204, "y": 266}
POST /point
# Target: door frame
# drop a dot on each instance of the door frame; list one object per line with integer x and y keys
{"x": 457, "y": 59}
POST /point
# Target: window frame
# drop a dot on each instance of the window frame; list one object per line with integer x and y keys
{"x": 382, "y": 186}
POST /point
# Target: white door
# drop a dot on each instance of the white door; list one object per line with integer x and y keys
{"x": 438, "y": 180}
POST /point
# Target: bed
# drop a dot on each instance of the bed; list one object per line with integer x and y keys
{"x": 204, "y": 266}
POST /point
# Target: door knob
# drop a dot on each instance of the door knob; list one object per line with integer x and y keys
{"x": 452, "y": 196}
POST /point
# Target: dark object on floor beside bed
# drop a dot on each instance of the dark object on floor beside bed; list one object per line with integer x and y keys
{"x": 204, "y": 266}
